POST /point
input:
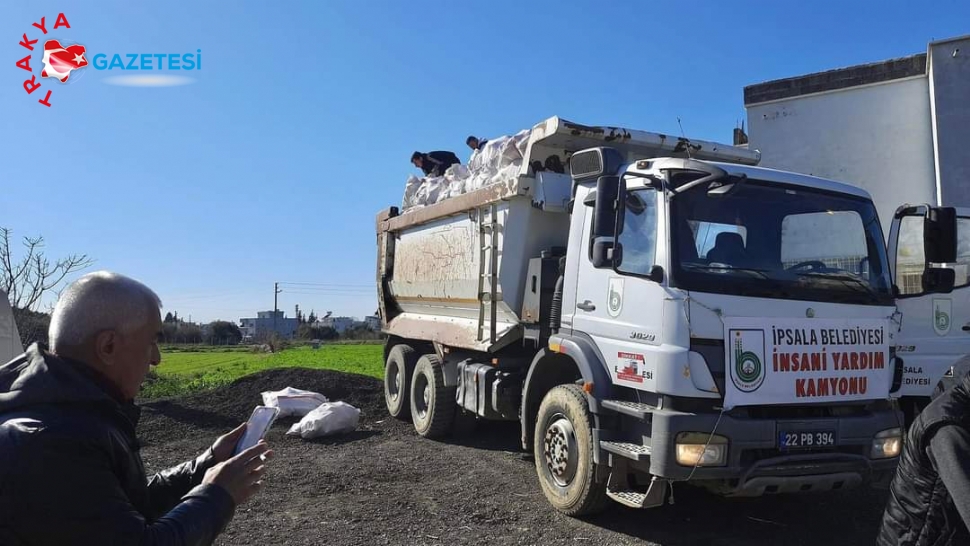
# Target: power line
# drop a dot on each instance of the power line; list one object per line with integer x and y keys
{"x": 327, "y": 289}
{"x": 324, "y": 284}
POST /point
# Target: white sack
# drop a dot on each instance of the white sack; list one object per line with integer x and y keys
{"x": 410, "y": 192}
{"x": 293, "y": 402}
{"x": 497, "y": 162}
{"x": 329, "y": 418}
{"x": 522, "y": 141}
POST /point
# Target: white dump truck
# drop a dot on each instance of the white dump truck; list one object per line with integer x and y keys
{"x": 663, "y": 311}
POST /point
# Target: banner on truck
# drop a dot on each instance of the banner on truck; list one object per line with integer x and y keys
{"x": 779, "y": 361}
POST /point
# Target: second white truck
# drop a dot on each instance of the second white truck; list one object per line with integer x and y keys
{"x": 664, "y": 312}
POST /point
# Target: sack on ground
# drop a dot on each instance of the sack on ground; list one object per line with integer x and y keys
{"x": 293, "y": 402}
{"x": 329, "y": 418}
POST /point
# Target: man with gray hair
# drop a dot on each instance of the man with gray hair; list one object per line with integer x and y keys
{"x": 70, "y": 469}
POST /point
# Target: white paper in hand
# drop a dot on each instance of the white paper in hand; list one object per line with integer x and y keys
{"x": 329, "y": 418}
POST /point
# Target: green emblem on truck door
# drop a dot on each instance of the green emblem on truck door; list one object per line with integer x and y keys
{"x": 748, "y": 373}
{"x": 942, "y": 309}
{"x": 615, "y": 297}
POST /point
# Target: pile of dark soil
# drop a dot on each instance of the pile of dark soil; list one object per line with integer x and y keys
{"x": 224, "y": 408}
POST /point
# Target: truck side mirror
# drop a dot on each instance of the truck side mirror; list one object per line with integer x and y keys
{"x": 940, "y": 235}
{"x": 607, "y": 221}
{"x": 938, "y": 280}
{"x": 603, "y": 250}
{"x": 604, "y": 215}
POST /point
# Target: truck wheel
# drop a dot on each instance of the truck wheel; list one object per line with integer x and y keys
{"x": 397, "y": 380}
{"x": 432, "y": 403}
{"x": 563, "y": 448}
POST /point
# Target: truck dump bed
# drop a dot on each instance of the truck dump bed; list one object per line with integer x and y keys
{"x": 455, "y": 272}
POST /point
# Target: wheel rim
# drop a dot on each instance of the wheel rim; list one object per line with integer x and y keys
{"x": 423, "y": 401}
{"x": 394, "y": 382}
{"x": 559, "y": 450}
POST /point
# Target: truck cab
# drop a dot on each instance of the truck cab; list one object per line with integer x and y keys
{"x": 747, "y": 319}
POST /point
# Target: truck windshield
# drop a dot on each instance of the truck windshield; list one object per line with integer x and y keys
{"x": 767, "y": 240}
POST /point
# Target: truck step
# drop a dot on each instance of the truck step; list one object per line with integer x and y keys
{"x": 633, "y": 499}
{"x": 634, "y": 409}
{"x": 655, "y": 496}
{"x": 629, "y": 450}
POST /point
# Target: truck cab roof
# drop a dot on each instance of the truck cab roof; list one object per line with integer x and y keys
{"x": 763, "y": 174}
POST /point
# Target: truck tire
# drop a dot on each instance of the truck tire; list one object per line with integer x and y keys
{"x": 563, "y": 448}
{"x": 397, "y": 380}
{"x": 432, "y": 403}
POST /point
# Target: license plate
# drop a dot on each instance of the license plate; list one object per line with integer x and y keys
{"x": 806, "y": 439}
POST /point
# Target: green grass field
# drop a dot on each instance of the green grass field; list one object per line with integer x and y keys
{"x": 186, "y": 370}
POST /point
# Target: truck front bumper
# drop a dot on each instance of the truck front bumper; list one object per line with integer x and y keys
{"x": 756, "y": 465}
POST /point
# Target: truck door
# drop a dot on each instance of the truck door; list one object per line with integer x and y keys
{"x": 935, "y": 326}
{"x": 621, "y": 309}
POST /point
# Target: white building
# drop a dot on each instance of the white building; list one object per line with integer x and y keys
{"x": 372, "y": 322}
{"x": 903, "y": 122}
{"x": 340, "y": 324}
{"x": 264, "y": 324}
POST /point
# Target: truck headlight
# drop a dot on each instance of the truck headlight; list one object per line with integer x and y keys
{"x": 887, "y": 444}
{"x": 701, "y": 449}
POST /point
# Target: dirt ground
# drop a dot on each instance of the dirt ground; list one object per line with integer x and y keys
{"x": 384, "y": 485}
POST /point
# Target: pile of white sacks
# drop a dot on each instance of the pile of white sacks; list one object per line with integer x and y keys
{"x": 498, "y": 161}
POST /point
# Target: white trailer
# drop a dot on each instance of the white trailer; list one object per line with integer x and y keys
{"x": 665, "y": 312}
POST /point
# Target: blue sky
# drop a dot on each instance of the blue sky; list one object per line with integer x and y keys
{"x": 272, "y": 165}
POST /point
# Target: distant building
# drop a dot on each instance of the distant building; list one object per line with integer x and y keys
{"x": 372, "y": 322}
{"x": 264, "y": 324}
{"x": 340, "y": 324}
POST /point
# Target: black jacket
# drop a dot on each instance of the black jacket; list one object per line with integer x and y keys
{"x": 71, "y": 472}
{"x": 929, "y": 501}
{"x": 436, "y": 163}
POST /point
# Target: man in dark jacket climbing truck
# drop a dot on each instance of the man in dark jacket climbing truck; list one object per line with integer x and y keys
{"x": 434, "y": 163}
{"x": 70, "y": 469}
{"x": 930, "y": 495}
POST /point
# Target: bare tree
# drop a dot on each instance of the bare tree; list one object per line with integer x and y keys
{"x": 27, "y": 279}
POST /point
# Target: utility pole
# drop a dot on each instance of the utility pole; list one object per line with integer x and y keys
{"x": 276, "y": 293}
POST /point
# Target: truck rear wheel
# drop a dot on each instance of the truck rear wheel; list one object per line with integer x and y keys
{"x": 563, "y": 448}
{"x": 432, "y": 403}
{"x": 397, "y": 380}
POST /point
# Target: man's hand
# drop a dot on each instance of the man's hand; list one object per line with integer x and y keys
{"x": 224, "y": 446}
{"x": 240, "y": 476}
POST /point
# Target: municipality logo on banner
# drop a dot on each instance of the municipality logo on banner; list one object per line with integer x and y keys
{"x": 747, "y": 368}
{"x": 799, "y": 361}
